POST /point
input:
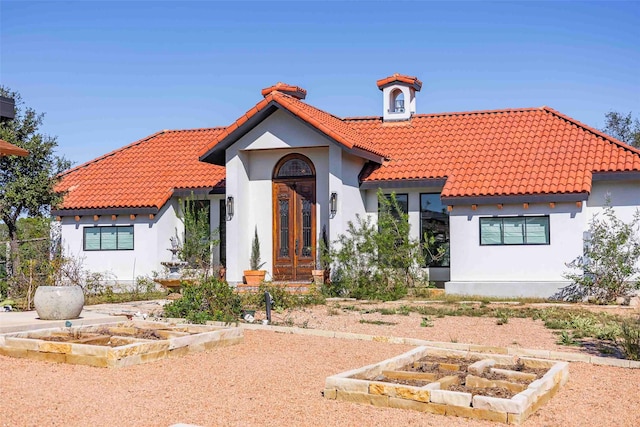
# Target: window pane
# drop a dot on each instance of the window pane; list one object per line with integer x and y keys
{"x": 295, "y": 167}
{"x": 403, "y": 202}
{"x": 434, "y": 230}
{"x": 199, "y": 207}
{"x": 125, "y": 237}
{"x": 283, "y": 207}
{"x": 490, "y": 231}
{"x": 92, "y": 239}
{"x": 306, "y": 228}
{"x": 432, "y": 203}
{"x": 513, "y": 231}
{"x": 108, "y": 238}
{"x": 538, "y": 230}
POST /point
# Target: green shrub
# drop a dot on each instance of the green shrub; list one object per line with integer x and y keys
{"x": 376, "y": 261}
{"x": 629, "y": 340}
{"x": 609, "y": 267}
{"x": 210, "y": 299}
{"x": 608, "y": 331}
{"x": 556, "y": 324}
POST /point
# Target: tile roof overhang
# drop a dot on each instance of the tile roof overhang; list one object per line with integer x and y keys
{"x": 320, "y": 121}
{"x": 141, "y": 177}
{"x": 534, "y": 154}
{"x": 7, "y": 149}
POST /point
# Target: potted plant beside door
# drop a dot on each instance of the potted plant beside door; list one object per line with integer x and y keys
{"x": 322, "y": 272}
{"x": 255, "y": 276}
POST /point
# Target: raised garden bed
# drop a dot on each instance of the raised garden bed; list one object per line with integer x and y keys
{"x": 494, "y": 387}
{"x": 116, "y": 344}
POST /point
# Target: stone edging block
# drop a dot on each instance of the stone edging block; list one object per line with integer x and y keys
{"x": 359, "y": 385}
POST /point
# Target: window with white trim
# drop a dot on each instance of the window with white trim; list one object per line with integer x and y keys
{"x": 514, "y": 230}
{"x": 110, "y": 238}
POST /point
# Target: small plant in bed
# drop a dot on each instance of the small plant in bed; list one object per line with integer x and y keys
{"x": 502, "y": 317}
{"x": 567, "y": 338}
{"x": 426, "y": 322}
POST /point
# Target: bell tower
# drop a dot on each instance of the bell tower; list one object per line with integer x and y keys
{"x": 399, "y": 96}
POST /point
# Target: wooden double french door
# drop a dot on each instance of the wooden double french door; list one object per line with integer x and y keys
{"x": 294, "y": 224}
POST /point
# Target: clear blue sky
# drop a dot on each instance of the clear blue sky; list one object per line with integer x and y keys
{"x": 109, "y": 73}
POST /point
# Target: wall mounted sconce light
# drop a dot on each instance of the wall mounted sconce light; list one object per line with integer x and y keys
{"x": 229, "y": 208}
{"x": 333, "y": 204}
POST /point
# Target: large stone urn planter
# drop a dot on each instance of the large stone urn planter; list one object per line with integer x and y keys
{"x": 58, "y": 302}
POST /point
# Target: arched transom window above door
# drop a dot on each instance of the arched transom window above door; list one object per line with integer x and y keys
{"x": 294, "y": 165}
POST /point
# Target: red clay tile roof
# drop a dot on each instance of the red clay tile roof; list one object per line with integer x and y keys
{"x": 410, "y": 80}
{"x": 143, "y": 174}
{"x": 7, "y": 149}
{"x": 330, "y": 125}
{"x": 295, "y": 91}
{"x": 495, "y": 153}
{"x": 534, "y": 151}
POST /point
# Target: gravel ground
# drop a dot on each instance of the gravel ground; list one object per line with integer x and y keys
{"x": 276, "y": 379}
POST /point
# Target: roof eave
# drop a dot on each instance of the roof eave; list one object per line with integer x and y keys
{"x": 367, "y": 155}
{"x": 616, "y": 176}
{"x": 105, "y": 211}
{"x": 402, "y": 183}
{"x": 201, "y": 191}
{"x": 515, "y": 198}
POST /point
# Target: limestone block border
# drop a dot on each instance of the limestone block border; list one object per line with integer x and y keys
{"x": 357, "y": 386}
{"x": 179, "y": 339}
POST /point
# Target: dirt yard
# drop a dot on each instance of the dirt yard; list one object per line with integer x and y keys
{"x": 276, "y": 379}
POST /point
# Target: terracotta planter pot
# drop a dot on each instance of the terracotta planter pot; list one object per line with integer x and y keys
{"x": 58, "y": 302}
{"x": 254, "y": 277}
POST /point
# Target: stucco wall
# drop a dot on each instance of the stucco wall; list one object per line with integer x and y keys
{"x": 623, "y": 195}
{"x": 151, "y": 242}
{"x": 472, "y": 262}
{"x": 530, "y": 270}
{"x": 151, "y": 239}
{"x": 351, "y": 200}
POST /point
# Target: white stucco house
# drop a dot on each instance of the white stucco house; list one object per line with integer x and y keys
{"x": 508, "y": 193}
